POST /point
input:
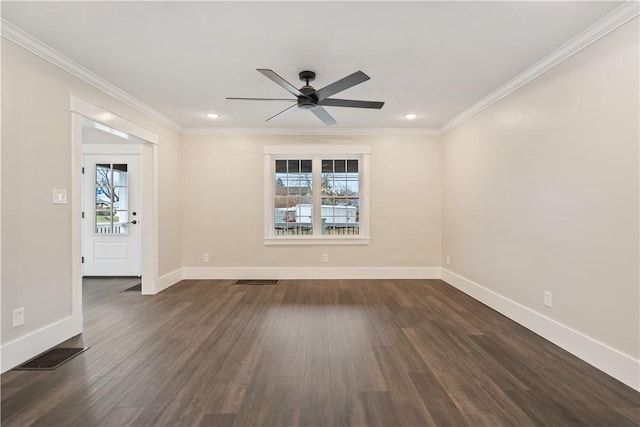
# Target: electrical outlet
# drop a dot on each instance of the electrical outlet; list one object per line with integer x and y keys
{"x": 547, "y": 299}
{"x": 205, "y": 257}
{"x": 18, "y": 317}
{"x": 325, "y": 257}
{"x": 448, "y": 260}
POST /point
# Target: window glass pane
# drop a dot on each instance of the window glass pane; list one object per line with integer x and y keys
{"x": 281, "y": 166}
{"x": 281, "y": 188}
{"x": 327, "y": 184}
{"x": 340, "y": 165}
{"x": 352, "y": 187}
{"x": 352, "y": 166}
{"x": 327, "y": 166}
{"x": 293, "y": 166}
{"x": 305, "y": 166}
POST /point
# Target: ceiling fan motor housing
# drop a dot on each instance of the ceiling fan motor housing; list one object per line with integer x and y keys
{"x": 310, "y": 100}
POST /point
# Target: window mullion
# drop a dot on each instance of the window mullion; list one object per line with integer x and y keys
{"x": 316, "y": 168}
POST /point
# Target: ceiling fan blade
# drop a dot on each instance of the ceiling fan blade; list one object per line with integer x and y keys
{"x": 322, "y": 114}
{"x": 342, "y": 84}
{"x": 261, "y": 99}
{"x": 281, "y": 113}
{"x": 332, "y": 102}
{"x": 281, "y": 82}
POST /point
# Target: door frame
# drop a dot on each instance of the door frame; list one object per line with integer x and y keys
{"x": 148, "y": 188}
{"x": 125, "y": 152}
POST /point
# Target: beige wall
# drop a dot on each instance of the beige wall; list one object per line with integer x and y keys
{"x": 540, "y": 192}
{"x": 223, "y": 199}
{"x": 36, "y": 157}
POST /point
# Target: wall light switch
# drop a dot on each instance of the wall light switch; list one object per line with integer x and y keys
{"x": 59, "y": 196}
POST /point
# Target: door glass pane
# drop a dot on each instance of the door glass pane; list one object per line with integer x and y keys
{"x": 103, "y": 222}
{"x": 120, "y": 174}
{"x": 103, "y": 198}
{"x": 112, "y": 198}
{"x": 119, "y": 225}
{"x": 103, "y": 175}
{"x": 120, "y": 200}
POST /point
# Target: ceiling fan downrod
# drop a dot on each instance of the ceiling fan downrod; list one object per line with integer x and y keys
{"x": 309, "y": 101}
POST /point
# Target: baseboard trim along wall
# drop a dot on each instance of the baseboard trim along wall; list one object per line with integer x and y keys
{"x": 169, "y": 279}
{"x": 28, "y": 346}
{"x": 229, "y": 273}
{"x": 620, "y": 366}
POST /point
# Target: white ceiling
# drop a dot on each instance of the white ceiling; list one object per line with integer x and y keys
{"x": 182, "y": 59}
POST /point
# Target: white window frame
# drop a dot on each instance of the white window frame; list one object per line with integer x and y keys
{"x": 316, "y": 153}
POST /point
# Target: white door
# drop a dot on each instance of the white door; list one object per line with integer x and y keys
{"x": 111, "y": 225}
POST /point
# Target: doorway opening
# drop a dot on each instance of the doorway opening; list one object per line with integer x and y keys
{"x": 114, "y": 202}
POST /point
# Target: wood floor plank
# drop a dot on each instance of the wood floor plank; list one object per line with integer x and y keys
{"x": 309, "y": 353}
{"x": 436, "y": 399}
{"x": 409, "y": 407}
{"x": 217, "y": 420}
{"x": 379, "y": 409}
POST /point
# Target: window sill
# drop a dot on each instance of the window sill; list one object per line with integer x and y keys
{"x": 310, "y": 241}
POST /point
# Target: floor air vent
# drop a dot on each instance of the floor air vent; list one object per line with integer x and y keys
{"x": 256, "y": 282}
{"x": 51, "y": 359}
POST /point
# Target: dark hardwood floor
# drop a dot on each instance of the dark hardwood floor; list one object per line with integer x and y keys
{"x": 310, "y": 353}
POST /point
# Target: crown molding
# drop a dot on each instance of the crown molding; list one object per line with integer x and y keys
{"x": 25, "y": 40}
{"x": 601, "y": 28}
{"x": 309, "y": 131}
{"x": 604, "y": 26}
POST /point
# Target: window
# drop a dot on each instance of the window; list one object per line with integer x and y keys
{"x": 315, "y": 194}
{"x": 293, "y": 197}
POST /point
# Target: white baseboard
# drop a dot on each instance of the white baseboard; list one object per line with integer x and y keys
{"x": 169, "y": 279}
{"x": 620, "y": 366}
{"x": 28, "y": 346}
{"x": 283, "y": 273}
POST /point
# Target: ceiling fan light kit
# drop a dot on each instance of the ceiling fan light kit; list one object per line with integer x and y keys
{"x": 308, "y": 98}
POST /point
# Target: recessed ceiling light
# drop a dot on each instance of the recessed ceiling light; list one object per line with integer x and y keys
{"x": 212, "y": 115}
{"x": 410, "y": 116}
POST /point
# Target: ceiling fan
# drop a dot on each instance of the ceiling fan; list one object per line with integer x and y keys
{"x": 308, "y": 98}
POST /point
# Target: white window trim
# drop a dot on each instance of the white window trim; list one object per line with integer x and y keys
{"x": 316, "y": 153}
